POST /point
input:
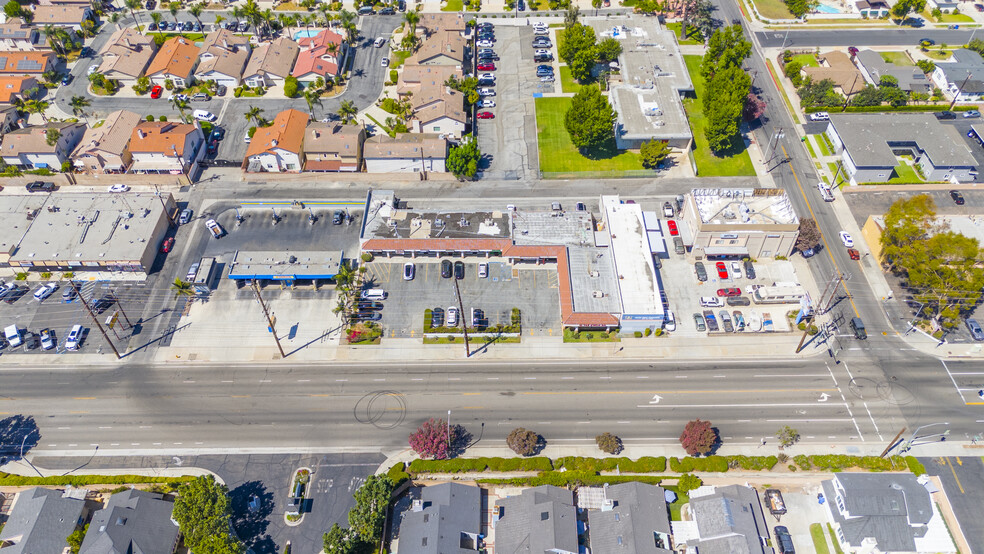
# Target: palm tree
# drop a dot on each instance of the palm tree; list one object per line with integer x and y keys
{"x": 157, "y": 21}
{"x": 35, "y": 106}
{"x": 237, "y": 13}
{"x": 267, "y": 17}
{"x": 195, "y": 11}
{"x": 308, "y": 20}
{"x": 218, "y": 21}
{"x": 181, "y": 105}
{"x": 312, "y": 97}
{"x": 323, "y": 8}
{"x": 254, "y": 115}
{"x": 114, "y": 18}
{"x": 54, "y": 38}
{"x": 182, "y": 288}
{"x": 79, "y": 103}
{"x": 133, "y": 5}
{"x": 347, "y": 110}
{"x": 173, "y": 7}
{"x": 51, "y": 136}
{"x": 88, "y": 28}
{"x": 412, "y": 18}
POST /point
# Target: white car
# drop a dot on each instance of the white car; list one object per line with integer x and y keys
{"x": 192, "y": 272}
{"x": 486, "y": 76}
{"x": 547, "y": 79}
{"x": 542, "y": 52}
{"x": 203, "y": 115}
{"x": 486, "y": 92}
{"x": 487, "y": 103}
{"x": 452, "y": 317}
{"x": 47, "y": 339}
{"x": 45, "y": 291}
{"x": 483, "y": 270}
{"x": 380, "y": 42}
{"x": 736, "y": 270}
{"x": 819, "y": 116}
{"x": 539, "y": 25}
{"x": 711, "y": 302}
{"x": 92, "y": 69}
{"x": 385, "y": 62}
{"x": 74, "y": 338}
{"x": 409, "y": 270}
{"x": 246, "y": 138}
{"x": 670, "y": 322}
{"x": 541, "y": 32}
{"x": 485, "y": 44}
{"x": 118, "y": 187}
{"x": 181, "y": 97}
{"x": 846, "y": 239}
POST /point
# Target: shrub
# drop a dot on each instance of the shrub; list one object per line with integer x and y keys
{"x": 648, "y": 332}
{"x": 394, "y": 75}
{"x": 688, "y": 482}
{"x": 915, "y": 466}
{"x": 609, "y": 443}
{"x": 9, "y": 480}
{"x": 638, "y": 334}
{"x": 710, "y": 464}
{"x": 149, "y": 118}
{"x": 46, "y": 275}
{"x": 791, "y": 467}
{"x": 523, "y": 441}
{"x": 753, "y": 463}
{"x": 21, "y": 276}
{"x": 366, "y": 257}
{"x": 698, "y": 437}
{"x": 803, "y": 462}
{"x": 397, "y": 474}
{"x": 290, "y": 86}
{"x": 433, "y": 439}
{"x": 162, "y": 118}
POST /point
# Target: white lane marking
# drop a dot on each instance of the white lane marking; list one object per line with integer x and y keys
{"x": 851, "y": 413}
{"x": 454, "y": 378}
{"x": 412, "y": 379}
{"x": 792, "y": 375}
{"x": 264, "y": 380}
{"x": 340, "y": 380}
{"x": 491, "y": 378}
{"x": 303, "y": 380}
{"x": 64, "y": 428}
{"x": 187, "y": 382}
{"x": 380, "y": 379}
{"x": 720, "y": 376}
{"x": 105, "y": 427}
{"x": 583, "y": 422}
{"x": 642, "y": 377}
{"x": 954, "y": 382}
{"x": 623, "y": 422}
{"x": 812, "y": 419}
{"x": 228, "y": 381}
{"x": 530, "y": 378}
{"x": 814, "y": 404}
{"x": 968, "y": 373}
{"x": 563, "y": 378}
{"x": 605, "y": 377}
{"x": 877, "y": 432}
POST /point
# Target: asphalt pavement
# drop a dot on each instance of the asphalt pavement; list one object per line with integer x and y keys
{"x": 963, "y": 483}
{"x": 903, "y": 36}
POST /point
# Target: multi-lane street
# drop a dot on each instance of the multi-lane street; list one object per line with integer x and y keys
{"x": 903, "y": 36}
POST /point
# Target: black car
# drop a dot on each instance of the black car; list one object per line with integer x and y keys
{"x": 40, "y": 186}
{"x": 958, "y": 198}
{"x": 151, "y": 26}
{"x": 544, "y": 68}
{"x": 220, "y": 90}
{"x": 196, "y": 27}
{"x": 945, "y": 115}
{"x": 401, "y": 5}
{"x": 701, "y": 271}
{"x": 31, "y": 341}
{"x": 66, "y": 79}
{"x": 213, "y": 148}
{"x": 459, "y": 270}
{"x": 370, "y": 305}
{"x": 437, "y": 317}
{"x": 783, "y": 540}
{"x": 338, "y": 217}
{"x": 520, "y": 5}
{"x": 488, "y": 56}
{"x": 486, "y": 82}
{"x": 14, "y": 295}
{"x": 85, "y": 52}
{"x": 446, "y": 268}
{"x": 102, "y": 304}
{"x": 218, "y": 133}
{"x": 738, "y": 301}
{"x": 387, "y": 11}
{"x": 749, "y": 270}
{"x": 187, "y": 27}
{"x": 368, "y": 316}
{"x": 150, "y": 4}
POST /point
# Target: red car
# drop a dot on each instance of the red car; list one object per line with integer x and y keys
{"x": 673, "y": 228}
{"x": 156, "y": 92}
{"x": 854, "y": 254}
{"x": 485, "y": 115}
{"x": 167, "y": 245}
{"x": 487, "y": 66}
{"x": 722, "y": 270}
{"x": 729, "y": 292}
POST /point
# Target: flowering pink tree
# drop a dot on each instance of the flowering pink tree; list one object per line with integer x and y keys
{"x": 433, "y": 439}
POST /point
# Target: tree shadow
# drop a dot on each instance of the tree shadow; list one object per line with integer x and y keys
{"x": 18, "y": 435}
{"x": 462, "y": 439}
{"x": 252, "y": 505}
{"x": 605, "y": 152}
{"x": 717, "y": 442}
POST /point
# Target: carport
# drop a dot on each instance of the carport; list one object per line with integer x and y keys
{"x": 285, "y": 267}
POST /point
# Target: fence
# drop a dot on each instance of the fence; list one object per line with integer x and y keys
{"x": 606, "y": 174}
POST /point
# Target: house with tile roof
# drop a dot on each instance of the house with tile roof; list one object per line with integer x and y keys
{"x": 277, "y": 148}
{"x": 405, "y": 153}
{"x": 25, "y": 63}
{"x": 442, "y": 21}
{"x": 104, "y": 149}
{"x": 440, "y": 110}
{"x": 17, "y": 35}
{"x": 333, "y": 147}
{"x": 62, "y": 15}
{"x": 323, "y": 56}
{"x": 28, "y": 148}
{"x": 443, "y": 47}
{"x": 133, "y": 521}
{"x": 175, "y": 61}
{"x": 41, "y": 519}
{"x": 13, "y": 87}
{"x": 166, "y": 147}
{"x": 126, "y": 55}
{"x": 413, "y": 77}
{"x": 271, "y": 63}
{"x": 838, "y": 67}
{"x": 223, "y": 58}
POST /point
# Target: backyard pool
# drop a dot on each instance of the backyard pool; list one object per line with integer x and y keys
{"x": 826, "y": 8}
{"x": 306, "y": 33}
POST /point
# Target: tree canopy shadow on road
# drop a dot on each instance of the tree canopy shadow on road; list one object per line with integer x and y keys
{"x": 18, "y": 435}
{"x": 252, "y": 505}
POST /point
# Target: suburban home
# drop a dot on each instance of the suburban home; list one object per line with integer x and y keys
{"x": 62, "y": 15}
{"x": 963, "y": 77}
{"x": 947, "y": 6}
{"x": 439, "y": 21}
{"x": 17, "y": 35}
{"x": 175, "y": 62}
{"x": 415, "y": 76}
{"x": 869, "y": 144}
{"x": 133, "y": 521}
{"x": 873, "y": 9}
{"x": 333, "y": 146}
{"x": 126, "y": 55}
{"x": 277, "y": 148}
{"x": 223, "y": 57}
{"x": 271, "y": 63}
{"x": 873, "y": 67}
{"x": 406, "y": 153}
{"x": 323, "y": 55}
{"x": 885, "y": 512}
{"x": 13, "y": 87}
{"x": 838, "y": 67}
{"x": 8, "y": 119}
{"x": 540, "y": 519}
{"x": 41, "y": 519}
{"x": 26, "y": 63}
{"x": 104, "y": 149}
{"x": 633, "y": 518}
{"x": 166, "y": 147}
{"x": 439, "y": 109}
{"x": 446, "y": 519}
{"x": 441, "y": 48}
{"x": 724, "y": 519}
{"x": 28, "y": 148}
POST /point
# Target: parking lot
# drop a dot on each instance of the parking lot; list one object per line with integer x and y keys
{"x": 533, "y": 291}
{"x": 509, "y": 140}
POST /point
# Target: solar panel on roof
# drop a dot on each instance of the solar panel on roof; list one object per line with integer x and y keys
{"x": 28, "y": 64}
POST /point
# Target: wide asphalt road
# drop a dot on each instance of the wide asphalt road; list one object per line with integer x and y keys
{"x": 904, "y": 36}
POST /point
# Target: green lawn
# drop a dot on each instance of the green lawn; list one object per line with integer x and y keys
{"x": 773, "y": 9}
{"x": 939, "y": 54}
{"x": 567, "y": 83}
{"x": 819, "y": 540}
{"x": 948, "y": 17}
{"x": 905, "y": 174}
{"x": 736, "y": 160}
{"x": 453, "y": 6}
{"x": 833, "y": 541}
{"x": 680, "y": 501}
{"x": 397, "y": 57}
{"x": 694, "y": 35}
{"x": 823, "y": 145}
{"x": 897, "y": 58}
{"x": 841, "y": 177}
{"x": 557, "y": 154}
{"x": 809, "y": 146}
{"x": 806, "y": 60}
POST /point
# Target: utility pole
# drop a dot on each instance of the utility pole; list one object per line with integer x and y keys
{"x": 273, "y": 328}
{"x": 119, "y": 306}
{"x": 167, "y": 212}
{"x": 889, "y": 447}
{"x": 464, "y": 323}
{"x": 959, "y": 90}
{"x": 773, "y": 147}
{"x": 96, "y": 320}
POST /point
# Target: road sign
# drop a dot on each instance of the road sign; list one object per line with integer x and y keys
{"x": 111, "y": 320}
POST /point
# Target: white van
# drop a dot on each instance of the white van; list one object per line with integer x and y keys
{"x": 74, "y": 338}
{"x": 374, "y": 294}
{"x": 711, "y": 302}
{"x": 13, "y": 335}
{"x": 825, "y": 192}
{"x": 203, "y": 115}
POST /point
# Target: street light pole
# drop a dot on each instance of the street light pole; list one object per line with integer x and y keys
{"x": 449, "y": 429}
{"x": 23, "y": 442}
{"x": 912, "y": 439}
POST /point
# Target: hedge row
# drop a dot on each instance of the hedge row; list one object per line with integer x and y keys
{"x": 567, "y": 478}
{"x": 474, "y": 465}
{"x": 753, "y": 463}
{"x": 397, "y": 475}
{"x": 915, "y": 466}
{"x": 10, "y": 480}
{"x": 710, "y": 464}
{"x": 890, "y": 109}
{"x": 646, "y": 464}
{"x": 836, "y": 462}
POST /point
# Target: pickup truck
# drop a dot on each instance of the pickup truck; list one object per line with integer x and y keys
{"x": 214, "y": 228}
{"x": 40, "y": 186}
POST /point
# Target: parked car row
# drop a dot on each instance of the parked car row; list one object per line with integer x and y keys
{"x": 733, "y": 322}
{"x": 451, "y": 317}
{"x": 722, "y": 272}
{"x": 46, "y": 339}
{"x": 485, "y": 58}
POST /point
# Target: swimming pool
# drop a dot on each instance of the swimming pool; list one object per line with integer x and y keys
{"x": 824, "y": 8}
{"x": 306, "y": 33}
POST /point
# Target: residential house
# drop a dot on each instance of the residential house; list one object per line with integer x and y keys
{"x": 838, "y": 67}
{"x": 540, "y": 519}
{"x": 723, "y": 520}
{"x": 41, "y": 519}
{"x": 26, "y": 63}
{"x": 873, "y": 66}
{"x": 406, "y": 153}
{"x": 223, "y": 57}
{"x": 13, "y": 87}
{"x": 873, "y": 9}
{"x": 17, "y": 35}
{"x": 441, "y": 48}
{"x": 126, "y": 55}
{"x": 8, "y": 119}
{"x": 885, "y": 512}
{"x": 166, "y": 147}
{"x": 271, "y": 63}
{"x": 277, "y": 148}
{"x": 945, "y": 6}
{"x": 62, "y": 15}
{"x": 415, "y": 76}
{"x": 439, "y": 109}
{"x": 323, "y": 56}
{"x": 103, "y": 149}
{"x": 133, "y": 521}
{"x": 333, "y": 146}
{"x": 447, "y": 519}
{"x": 634, "y": 518}
{"x": 29, "y": 148}
{"x": 963, "y": 77}
{"x": 440, "y": 21}
{"x": 175, "y": 62}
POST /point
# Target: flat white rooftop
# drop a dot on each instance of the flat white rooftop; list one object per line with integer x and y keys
{"x": 744, "y": 206}
{"x": 635, "y": 272}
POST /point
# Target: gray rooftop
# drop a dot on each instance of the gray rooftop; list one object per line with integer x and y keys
{"x": 40, "y": 521}
{"x": 653, "y": 75}
{"x": 566, "y": 227}
{"x": 869, "y": 139}
{"x": 635, "y": 522}
{"x": 965, "y": 62}
{"x": 411, "y": 224}
{"x": 300, "y": 264}
{"x": 16, "y": 215}
{"x": 730, "y": 521}
{"x": 892, "y": 508}
{"x": 447, "y": 520}
{"x": 539, "y": 520}
{"x": 592, "y": 271}
{"x": 909, "y": 77}
{"x": 134, "y": 522}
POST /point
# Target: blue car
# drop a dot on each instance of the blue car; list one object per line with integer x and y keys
{"x": 66, "y": 79}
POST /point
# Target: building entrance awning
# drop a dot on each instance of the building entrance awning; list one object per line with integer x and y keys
{"x": 726, "y": 251}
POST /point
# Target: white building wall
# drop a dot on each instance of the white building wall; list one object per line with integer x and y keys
{"x": 404, "y": 165}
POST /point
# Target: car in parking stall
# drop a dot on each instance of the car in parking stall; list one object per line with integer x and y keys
{"x": 15, "y": 294}
{"x": 44, "y": 291}
{"x": 103, "y": 303}
{"x": 74, "y": 339}
{"x": 437, "y": 317}
{"x": 485, "y": 115}
{"x": 699, "y": 322}
{"x": 726, "y": 321}
{"x": 672, "y": 226}
{"x": 48, "y": 339}
{"x": 485, "y": 66}
{"x": 722, "y": 270}
{"x": 486, "y": 103}
{"x": 971, "y": 113}
{"x": 730, "y": 291}
{"x": 749, "y": 269}
{"x": 459, "y": 270}
{"x": 736, "y": 269}
{"x": 483, "y": 270}
{"x": 975, "y": 329}
{"x": 69, "y": 294}
{"x": 486, "y": 92}
{"x": 711, "y": 302}
{"x": 700, "y": 271}
{"x": 484, "y": 44}
{"x": 452, "y": 316}
{"x": 446, "y": 268}
{"x": 738, "y": 301}
{"x": 711, "y": 321}
{"x": 958, "y": 198}
{"x": 409, "y": 271}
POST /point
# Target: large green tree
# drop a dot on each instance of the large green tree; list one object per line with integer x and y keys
{"x": 338, "y": 541}
{"x": 577, "y": 38}
{"x": 727, "y": 48}
{"x": 463, "y": 159}
{"x": 653, "y": 153}
{"x": 202, "y": 511}
{"x": 902, "y": 8}
{"x": 371, "y": 499}
{"x": 590, "y": 121}
{"x": 723, "y": 107}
